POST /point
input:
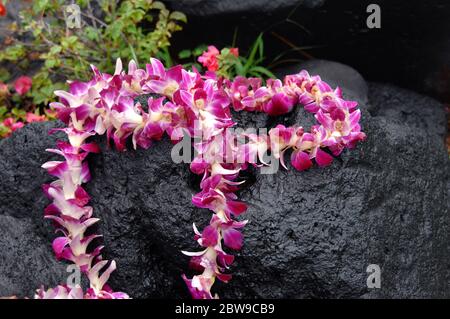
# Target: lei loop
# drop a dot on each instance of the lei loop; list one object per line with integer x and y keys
{"x": 200, "y": 106}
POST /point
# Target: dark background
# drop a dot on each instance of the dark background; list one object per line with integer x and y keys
{"x": 411, "y": 49}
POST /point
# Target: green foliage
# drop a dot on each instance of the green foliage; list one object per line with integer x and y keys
{"x": 192, "y": 55}
{"x": 129, "y": 29}
{"x": 251, "y": 65}
{"x": 230, "y": 65}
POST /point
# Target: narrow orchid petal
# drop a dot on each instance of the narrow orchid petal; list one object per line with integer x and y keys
{"x": 51, "y": 165}
{"x": 157, "y": 68}
{"x": 219, "y": 169}
{"x": 355, "y": 116}
{"x": 71, "y": 99}
{"x": 191, "y": 254}
{"x": 118, "y": 68}
{"x": 99, "y": 126}
{"x": 105, "y": 275}
{"x": 196, "y": 231}
{"x": 282, "y": 160}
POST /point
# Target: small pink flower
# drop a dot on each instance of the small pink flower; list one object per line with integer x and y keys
{"x": 12, "y": 124}
{"x": 234, "y": 51}
{"x": 22, "y": 85}
{"x": 31, "y": 117}
{"x": 8, "y": 122}
{"x": 209, "y": 58}
{"x": 16, "y": 126}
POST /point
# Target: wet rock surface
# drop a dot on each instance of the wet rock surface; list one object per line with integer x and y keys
{"x": 311, "y": 234}
{"x": 26, "y": 256}
{"x": 205, "y": 8}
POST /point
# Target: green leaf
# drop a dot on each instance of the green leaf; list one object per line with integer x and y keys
{"x": 4, "y": 130}
{"x": 19, "y": 113}
{"x": 262, "y": 70}
{"x": 82, "y": 3}
{"x": 239, "y": 68}
{"x": 200, "y": 49}
{"x": 184, "y": 54}
{"x": 158, "y": 5}
{"x": 40, "y": 5}
{"x": 91, "y": 33}
{"x": 251, "y": 57}
{"x": 4, "y": 75}
{"x": 55, "y": 49}
{"x": 115, "y": 29}
{"x": 50, "y": 63}
{"x": 179, "y": 16}
{"x": 13, "y": 53}
{"x": 260, "y": 46}
{"x": 3, "y": 110}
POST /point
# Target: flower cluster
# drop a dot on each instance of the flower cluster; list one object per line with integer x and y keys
{"x": 338, "y": 119}
{"x": 21, "y": 85}
{"x": 14, "y": 118}
{"x": 72, "y": 217}
{"x": 211, "y": 58}
{"x": 185, "y": 103}
{"x": 11, "y": 124}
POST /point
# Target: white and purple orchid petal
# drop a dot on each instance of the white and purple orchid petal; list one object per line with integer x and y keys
{"x": 51, "y": 165}
{"x": 85, "y": 175}
{"x": 279, "y": 104}
{"x": 72, "y": 100}
{"x": 232, "y": 238}
{"x": 210, "y": 236}
{"x": 118, "y": 68}
{"x": 236, "y": 208}
{"x": 59, "y": 244}
{"x": 91, "y": 147}
{"x": 196, "y": 231}
{"x": 355, "y": 116}
{"x": 192, "y": 254}
{"x": 157, "y": 68}
{"x": 218, "y": 169}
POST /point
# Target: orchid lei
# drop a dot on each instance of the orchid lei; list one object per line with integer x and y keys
{"x": 180, "y": 101}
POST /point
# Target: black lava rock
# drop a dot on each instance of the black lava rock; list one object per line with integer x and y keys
{"x": 311, "y": 234}
{"x": 26, "y": 256}
{"x": 206, "y": 8}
